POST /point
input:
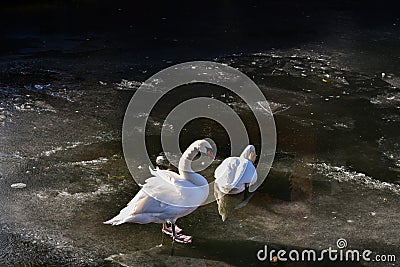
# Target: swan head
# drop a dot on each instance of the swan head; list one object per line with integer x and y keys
{"x": 249, "y": 153}
{"x": 204, "y": 147}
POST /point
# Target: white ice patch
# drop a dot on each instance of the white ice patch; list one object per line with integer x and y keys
{"x": 93, "y": 162}
{"x": 394, "y": 81}
{"x": 390, "y": 147}
{"x": 59, "y": 148}
{"x": 128, "y": 85}
{"x": 341, "y": 174}
{"x": 63, "y": 93}
{"x": 61, "y": 195}
{"x": 37, "y": 106}
{"x": 18, "y": 185}
{"x": 274, "y": 106}
{"x": 387, "y": 100}
{"x": 101, "y": 190}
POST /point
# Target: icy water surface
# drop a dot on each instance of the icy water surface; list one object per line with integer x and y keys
{"x": 332, "y": 81}
{"x": 335, "y": 175}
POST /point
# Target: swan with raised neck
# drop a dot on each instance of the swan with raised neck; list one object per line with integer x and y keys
{"x": 185, "y": 163}
{"x": 165, "y": 197}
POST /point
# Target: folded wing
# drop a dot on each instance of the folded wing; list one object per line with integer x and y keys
{"x": 233, "y": 173}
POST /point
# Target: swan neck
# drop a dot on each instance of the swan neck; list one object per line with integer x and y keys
{"x": 185, "y": 163}
{"x": 185, "y": 167}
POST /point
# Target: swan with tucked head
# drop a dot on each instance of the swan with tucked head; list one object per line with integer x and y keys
{"x": 235, "y": 174}
{"x": 167, "y": 196}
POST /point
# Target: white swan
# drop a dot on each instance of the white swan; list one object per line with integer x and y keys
{"x": 167, "y": 196}
{"x": 235, "y": 174}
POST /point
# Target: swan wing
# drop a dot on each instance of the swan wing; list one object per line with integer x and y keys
{"x": 145, "y": 209}
{"x": 249, "y": 175}
{"x": 163, "y": 186}
{"x": 169, "y": 187}
{"x": 227, "y": 172}
{"x": 233, "y": 173}
{"x": 129, "y": 210}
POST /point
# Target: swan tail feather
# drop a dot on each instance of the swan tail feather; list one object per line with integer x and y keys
{"x": 113, "y": 221}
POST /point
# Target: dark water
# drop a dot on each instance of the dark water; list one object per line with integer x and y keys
{"x": 64, "y": 88}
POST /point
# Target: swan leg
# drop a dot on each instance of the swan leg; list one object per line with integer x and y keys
{"x": 173, "y": 239}
{"x": 162, "y": 235}
{"x": 173, "y": 232}
{"x": 180, "y": 238}
{"x": 246, "y": 191}
{"x": 176, "y": 235}
{"x": 168, "y": 230}
{"x": 183, "y": 239}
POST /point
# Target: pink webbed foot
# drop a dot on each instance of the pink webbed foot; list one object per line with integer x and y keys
{"x": 183, "y": 239}
{"x": 168, "y": 230}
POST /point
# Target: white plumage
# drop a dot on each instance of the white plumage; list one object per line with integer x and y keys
{"x": 235, "y": 173}
{"x": 167, "y": 196}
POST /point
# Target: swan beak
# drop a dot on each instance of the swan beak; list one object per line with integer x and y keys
{"x": 252, "y": 156}
{"x": 211, "y": 155}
